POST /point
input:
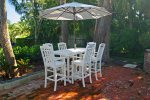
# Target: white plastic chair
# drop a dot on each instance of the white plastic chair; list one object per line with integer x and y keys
{"x": 92, "y": 45}
{"x": 96, "y": 60}
{"x": 53, "y": 64}
{"x": 84, "y": 65}
{"x": 62, "y": 46}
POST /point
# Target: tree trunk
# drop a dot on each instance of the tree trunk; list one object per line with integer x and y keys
{"x": 146, "y": 7}
{"x": 4, "y": 36}
{"x": 102, "y": 29}
{"x": 64, "y": 28}
{"x": 35, "y": 18}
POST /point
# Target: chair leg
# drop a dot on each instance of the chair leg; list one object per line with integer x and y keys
{"x": 64, "y": 69}
{"x": 72, "y": 74}
{"x": 45, "y": 84}
{"x": 100, "y": 69}
{"x": 83, "y": 81}
{"x": 95, "y": 71}
{"x": 55, "y": 79}
{"x": 90, "y": 76}
{"x": 90, "y": 79}
{"x": 68, "y": 69}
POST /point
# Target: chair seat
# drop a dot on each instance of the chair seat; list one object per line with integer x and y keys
{"x": 57, "y": 64}
{"x": 94, "y": 59}
{"x": 78, "y": 62}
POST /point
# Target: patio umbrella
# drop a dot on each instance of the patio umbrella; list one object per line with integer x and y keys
{"x": 74, "y": 11}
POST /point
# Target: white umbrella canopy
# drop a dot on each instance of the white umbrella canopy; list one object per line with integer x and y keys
{"x": 74, "y": 11}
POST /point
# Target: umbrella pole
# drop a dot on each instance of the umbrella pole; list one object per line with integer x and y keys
{"x": 74, "y": 36}
{"x": 74, "y": 27}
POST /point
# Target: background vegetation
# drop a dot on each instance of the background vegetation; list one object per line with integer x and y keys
{"x": 130, "y": 32}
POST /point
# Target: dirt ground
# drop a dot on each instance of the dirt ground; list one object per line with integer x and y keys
{"x": 117, "y": 83}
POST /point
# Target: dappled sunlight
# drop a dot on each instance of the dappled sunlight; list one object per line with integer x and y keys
{"x": 94, "y": 97}
{"x": 104, "y": 99}
{"x": 64, "y": 95}
{"x": 140, "y": 77}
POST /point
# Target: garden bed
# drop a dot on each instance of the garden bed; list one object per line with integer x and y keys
{"x": 34, "y": 73}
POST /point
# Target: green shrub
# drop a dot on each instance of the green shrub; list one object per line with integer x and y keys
{"x": 32, "y": 53}
{"x": 23, "y": 66}
{"x": 145, "y": 40}
{"x": 5, "y": 68}
{"x": 24, "y": 41}
{"x": 35, "y": 53}
{"x": 3, "y": 64}
{"x": 125, "y": 44}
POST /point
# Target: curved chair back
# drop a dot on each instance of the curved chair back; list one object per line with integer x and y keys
{"x": 47, "y": 55}
{"x": 93, "y": 46}
{"x": 62, "y": 46}
{"x": 87, "y": 56}
{"x": 100, "y": 51}
{"x": 50, "y": 45}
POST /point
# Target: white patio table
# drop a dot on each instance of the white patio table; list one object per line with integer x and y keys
{"x": 69, "y": 53}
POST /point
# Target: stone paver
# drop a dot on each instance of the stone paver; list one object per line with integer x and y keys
{"x": 130, "y": 65}
{"x": 25, "y": 89}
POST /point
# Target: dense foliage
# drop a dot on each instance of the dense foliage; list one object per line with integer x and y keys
{"x": 129, "y": 29}
{"x": 24, "y": 55}
{"x": 130, "y": 33}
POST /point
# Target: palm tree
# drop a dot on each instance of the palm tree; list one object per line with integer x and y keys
{"x": 4, "y": 36}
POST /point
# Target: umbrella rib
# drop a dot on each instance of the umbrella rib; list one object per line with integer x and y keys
{"x": 54, "y": 11}
{"x": 62, "y": 12}
{"x": 79, "y": 10}
{"x": 46, "y": 14}
{"x": 65, "y": 10}
{"x": 102, "y": 11}
{"x": 90, "y": 12}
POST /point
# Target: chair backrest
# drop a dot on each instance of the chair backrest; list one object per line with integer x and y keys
{"x": 62, "y": 46}
{"x": 100, "y": 51}
{"x": 49, "y": 44}
{"x": 93, "y": 46}
{"x": 87, "y": 56}
{"x": 47, "y": 55}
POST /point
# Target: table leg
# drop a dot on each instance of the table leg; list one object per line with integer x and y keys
{"x": 68, "y": 71}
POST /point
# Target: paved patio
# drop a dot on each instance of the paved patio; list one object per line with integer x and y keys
{"x": 117, "y": 83}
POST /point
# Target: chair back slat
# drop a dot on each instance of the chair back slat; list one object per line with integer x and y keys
{"x": 47, "y": 55}
{"x": 93, "y": 46}
{"x": 100, "y": 51}
{"x": 87, "y": 56}
{"x": 50, "y": 45}
{"x": 62, "y": 46}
